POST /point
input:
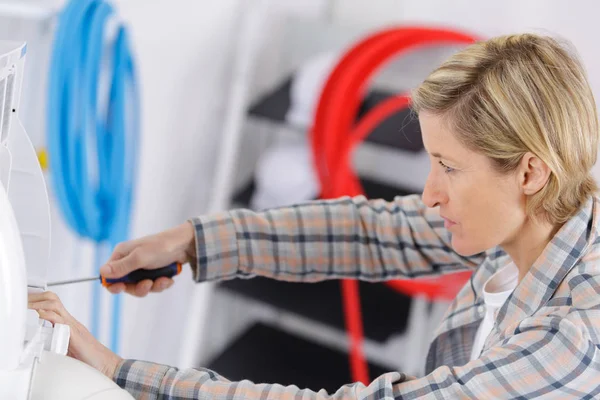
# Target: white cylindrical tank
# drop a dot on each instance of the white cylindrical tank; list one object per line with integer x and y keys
{"x": 64, "y": 378}
{"x": 13, "y": 288}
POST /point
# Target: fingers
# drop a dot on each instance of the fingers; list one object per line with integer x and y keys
{"x": 122, "y": 249}
{"x": 142, "y": 289}
{"x": 33, "y": 297}
{"x": 46, "y": 301}
{"x": 47, "y": 305}
{"x": 117, "y": 288}
{"x": 118, "y": 268}
{"x": 161, "y": 284}
{"x": 51, "y": 316}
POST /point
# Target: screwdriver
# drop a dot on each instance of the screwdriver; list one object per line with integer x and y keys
{"x": 134, "y": 277}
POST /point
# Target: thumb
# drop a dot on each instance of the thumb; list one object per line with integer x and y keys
{"x": 119, "y": 268}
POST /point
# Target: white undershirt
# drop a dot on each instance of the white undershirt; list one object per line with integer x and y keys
{"x": 495, "y": 293}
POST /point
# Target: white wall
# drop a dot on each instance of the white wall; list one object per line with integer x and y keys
{"x": 184, "y": 50}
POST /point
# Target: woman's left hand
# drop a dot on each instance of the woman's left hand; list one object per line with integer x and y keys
{"x": 82, "y": 345}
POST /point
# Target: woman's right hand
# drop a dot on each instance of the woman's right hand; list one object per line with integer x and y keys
{"x": 150, "y": 252}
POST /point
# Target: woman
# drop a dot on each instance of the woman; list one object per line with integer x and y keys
{"x": 511, "y": 128}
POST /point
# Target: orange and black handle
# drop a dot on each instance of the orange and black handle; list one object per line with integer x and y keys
{"x": 143, "y": 274}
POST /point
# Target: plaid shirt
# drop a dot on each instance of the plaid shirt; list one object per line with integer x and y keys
{"x": 544, "y": 343}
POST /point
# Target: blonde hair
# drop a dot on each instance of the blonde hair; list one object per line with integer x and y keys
{"x": 522, "y": 93}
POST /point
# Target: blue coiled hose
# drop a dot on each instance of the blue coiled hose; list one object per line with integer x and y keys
{"x": 92, "y": 135}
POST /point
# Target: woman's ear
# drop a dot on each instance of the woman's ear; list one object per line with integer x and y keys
{"x": 534, "y": 174}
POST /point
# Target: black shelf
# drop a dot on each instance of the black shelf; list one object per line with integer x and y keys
{"x": 384, "y": 310}
{"x": 267, "y": 355}
{"x": 373, "y": 190}
{"x": 399, "y": 131}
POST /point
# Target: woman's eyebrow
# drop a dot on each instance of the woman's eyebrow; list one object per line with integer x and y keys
{"x": 438, "y": 155}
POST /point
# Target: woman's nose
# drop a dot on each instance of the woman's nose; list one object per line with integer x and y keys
{"x": 432, "y": 195}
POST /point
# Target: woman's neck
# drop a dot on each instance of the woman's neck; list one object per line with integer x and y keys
{"x": 529, "y": 243}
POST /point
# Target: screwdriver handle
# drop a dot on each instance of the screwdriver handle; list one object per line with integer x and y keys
{"x": 142, "y": 274}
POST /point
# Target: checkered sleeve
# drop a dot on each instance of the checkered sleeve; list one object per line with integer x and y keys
{"x": 147, "y": 381}
{"x": 356, "y": 238}
{"x": 548, "y": 357}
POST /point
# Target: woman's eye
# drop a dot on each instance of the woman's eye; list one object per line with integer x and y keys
{"x": 447, "y": 169}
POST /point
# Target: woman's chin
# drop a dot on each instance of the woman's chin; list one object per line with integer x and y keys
{"x": 464, "y": 247}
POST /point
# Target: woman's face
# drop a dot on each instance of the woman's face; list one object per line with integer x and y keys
{"x": 482, "y": 208}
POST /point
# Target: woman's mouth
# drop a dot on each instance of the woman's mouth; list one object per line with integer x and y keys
{"x": 448, "y": 223}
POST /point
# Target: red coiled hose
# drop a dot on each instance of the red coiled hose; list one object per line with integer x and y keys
{"x": 335, "y": 134}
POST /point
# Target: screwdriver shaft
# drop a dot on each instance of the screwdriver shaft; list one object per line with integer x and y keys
{"x": 73, "y": 281}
